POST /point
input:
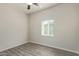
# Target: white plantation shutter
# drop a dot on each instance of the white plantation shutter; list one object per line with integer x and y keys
{"x": 47, "y": 28}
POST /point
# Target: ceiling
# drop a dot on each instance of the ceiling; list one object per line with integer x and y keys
{"x": 34, "y": 8}
{"x": 23, "y": 6}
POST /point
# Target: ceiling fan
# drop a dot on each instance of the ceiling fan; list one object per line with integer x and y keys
{"x": 30, "y": 4}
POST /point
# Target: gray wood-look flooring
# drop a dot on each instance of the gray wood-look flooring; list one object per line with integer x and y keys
{"x": 32, "y": 49}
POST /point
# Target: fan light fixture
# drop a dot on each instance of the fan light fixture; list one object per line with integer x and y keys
{"x": 30, "y": 4}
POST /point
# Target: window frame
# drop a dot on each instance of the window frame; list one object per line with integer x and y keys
{"x": 47, "y": 22}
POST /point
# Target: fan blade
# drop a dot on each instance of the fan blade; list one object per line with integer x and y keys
{"x": 35, "y": 4}
{"x": 28, "y": 7}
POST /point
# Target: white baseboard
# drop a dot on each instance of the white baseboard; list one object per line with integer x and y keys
{"x": 13, "y": 46}
{"x": 57, "y": 47}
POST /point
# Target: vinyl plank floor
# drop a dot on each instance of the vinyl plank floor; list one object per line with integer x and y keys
{"x": 32, "y": 49}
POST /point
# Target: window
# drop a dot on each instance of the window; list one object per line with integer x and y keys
{"x": 47, "y": 28}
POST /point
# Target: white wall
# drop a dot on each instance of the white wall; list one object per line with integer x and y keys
{"x": 77, "y": 31}
{"x": 13, "y": 26}
{"x": 65, "y": 16}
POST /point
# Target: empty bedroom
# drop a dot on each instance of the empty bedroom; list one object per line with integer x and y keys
{"x": 39, "y": 29}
